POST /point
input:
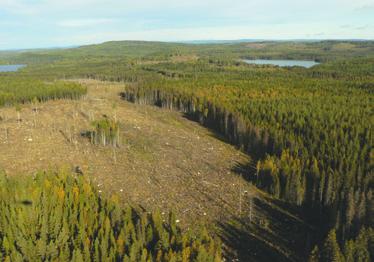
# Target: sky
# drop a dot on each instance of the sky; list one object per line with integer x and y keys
{"x": 60, "y": 23}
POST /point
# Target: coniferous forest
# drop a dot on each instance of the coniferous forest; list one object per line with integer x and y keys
{"x": 61, "y": 217}
{"x": 308, "y": 132}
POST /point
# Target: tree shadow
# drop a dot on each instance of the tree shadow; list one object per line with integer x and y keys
{"x": 87, "y": 134}
{"x": 268, "y": 233}
{"x": 26, "y": 202}
{"x": 275, "y": 231}
{"x": 280, "y": 227}
{"x": 241, "y": 245}
{"x": 245, "y": 170}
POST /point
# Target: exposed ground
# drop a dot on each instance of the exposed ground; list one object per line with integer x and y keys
{"x": 165, "y": 162}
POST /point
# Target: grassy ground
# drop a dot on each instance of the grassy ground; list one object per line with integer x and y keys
{"x": 165, "y": 162}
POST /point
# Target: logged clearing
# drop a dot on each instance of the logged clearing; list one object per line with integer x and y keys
{"x": 165, "y": 161}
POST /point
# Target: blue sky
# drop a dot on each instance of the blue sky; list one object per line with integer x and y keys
{"x": 55, "y": 23}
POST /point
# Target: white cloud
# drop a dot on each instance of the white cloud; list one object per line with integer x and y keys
{"x": 250, "y": 7}
{"x": 45, "y": 22}
{"x": 85, "y": 22}
{"x": 17, "y": 7}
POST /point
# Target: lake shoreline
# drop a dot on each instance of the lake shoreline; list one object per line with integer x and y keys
{"x": 10, "y": 68}
{"x": 281, "y": 62}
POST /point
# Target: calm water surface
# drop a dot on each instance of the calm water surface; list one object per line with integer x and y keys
{"x": 10, "y": 68}
{"x": 283, "y": 63}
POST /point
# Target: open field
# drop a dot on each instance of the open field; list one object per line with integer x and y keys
{"x": 162, "y": 150}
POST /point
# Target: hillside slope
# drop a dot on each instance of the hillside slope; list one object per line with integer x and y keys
{"x": 165, "y": 162}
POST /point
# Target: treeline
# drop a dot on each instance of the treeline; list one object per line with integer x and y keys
{"x": 311, "y": 137}
{"x": 62, "y": 217}
{"x": 24, "y": 90}
{"x": 321, "y": 51}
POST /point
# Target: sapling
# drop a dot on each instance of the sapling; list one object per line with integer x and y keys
{"x": 6, "y": 134}
{"x": 114, "y": 107}
{"x": 114, "y": 155}
{"x": 35, "y": 103}
{"x": 250, "y": 209}
{"x": 240, "y": 195}
{"x": 18, "y": 110}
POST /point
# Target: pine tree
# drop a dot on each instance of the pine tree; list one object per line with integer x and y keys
{"x": 77, "y": 256}
{"x": 350, "y": 212}
{"x": 331, "y": 251}
{"x": 349, "y": 251}
{"x": 361, "y": 252}
{"x": 314, "y": 255}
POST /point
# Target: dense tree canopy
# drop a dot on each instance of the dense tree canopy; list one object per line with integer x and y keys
{"x": 22, "y": 90}
{"x": 62, "y": 217}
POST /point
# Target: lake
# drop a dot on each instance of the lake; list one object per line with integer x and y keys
{"x": 282, "y": 63}
{"x": 10, "y": 68}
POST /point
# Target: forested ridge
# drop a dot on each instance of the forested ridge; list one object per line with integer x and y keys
{"x": 308, "y": 131}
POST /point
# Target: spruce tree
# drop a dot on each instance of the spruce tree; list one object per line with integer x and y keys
{"x": 330, "y": 250}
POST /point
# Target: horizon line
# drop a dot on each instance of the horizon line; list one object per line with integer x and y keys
{"x": 192, "y": 42}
